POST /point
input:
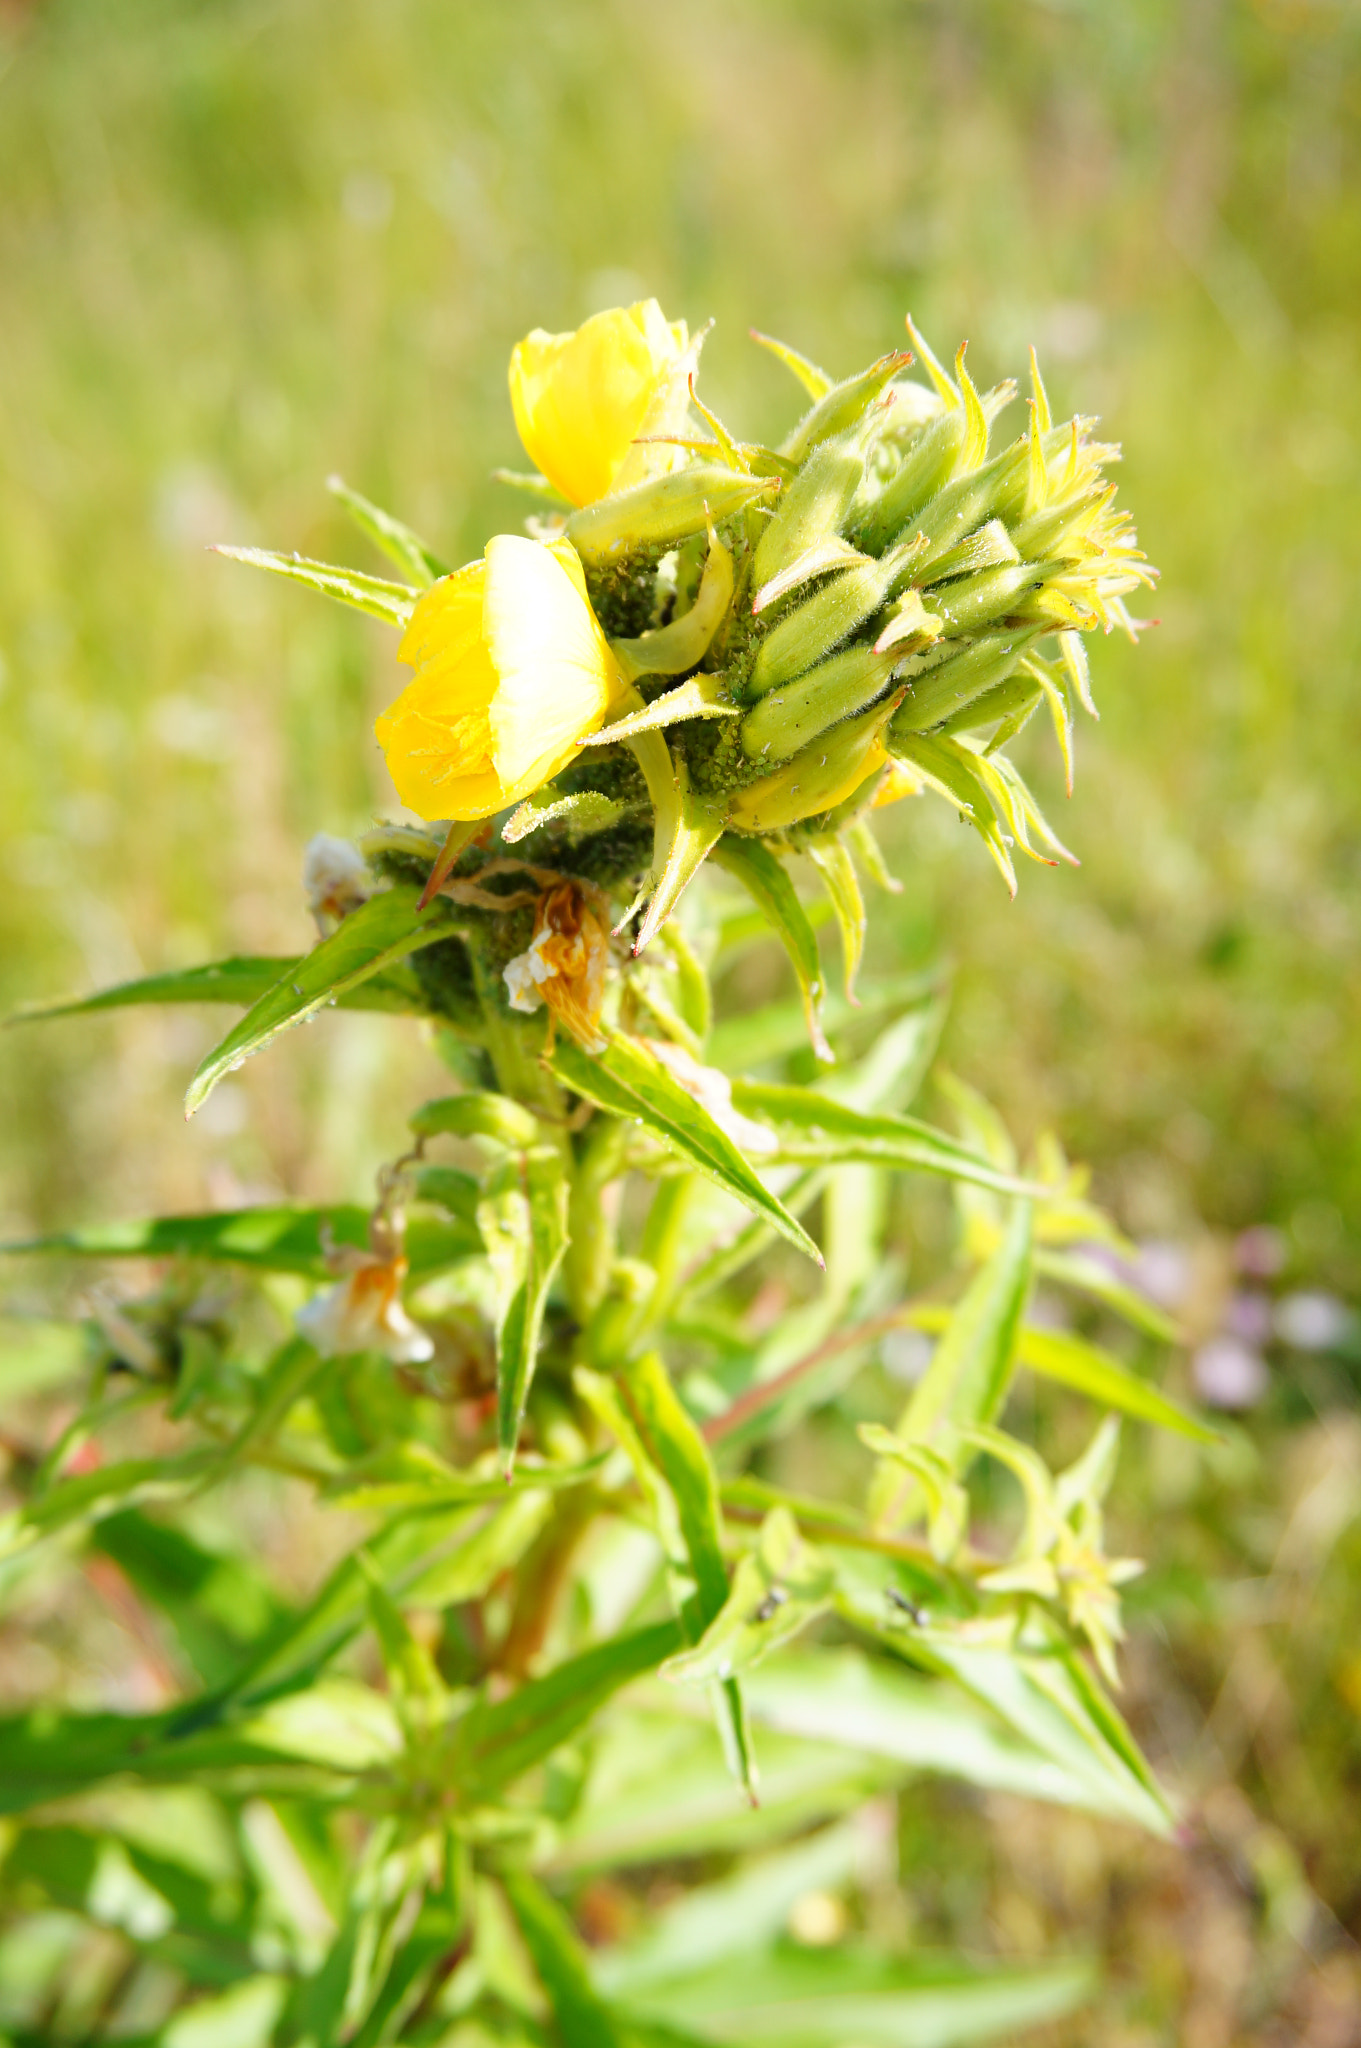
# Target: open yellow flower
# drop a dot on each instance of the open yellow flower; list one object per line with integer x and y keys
{"x": 581, "y": 399}
{"x": 512, "y": 670}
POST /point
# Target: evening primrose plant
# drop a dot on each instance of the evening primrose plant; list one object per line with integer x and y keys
{"x": 582, "y": 1621}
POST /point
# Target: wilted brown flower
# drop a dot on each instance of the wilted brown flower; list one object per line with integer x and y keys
{"x": 564, "y": 964}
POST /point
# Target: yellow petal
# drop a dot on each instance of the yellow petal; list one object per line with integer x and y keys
{"x": 579, "y": 399}
{"x": 437, "y": 736}
{"x": 899, "y": 782}
{"x": 556, "y": 676}
{"x": 511, "y": 671}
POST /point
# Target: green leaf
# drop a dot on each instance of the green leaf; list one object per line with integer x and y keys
{"x": 390, "y": 536}
{"x": 380, "y": 933}
{"x": 583, "y": 2018}
{"x": 876, "y": 1709}
{"x": 777, "y": 1589}
{"x": 737, "y": 1915}
{"x": 414, "y": 1476}
{"x": 815, "y": 382}
{"x": 89, "y": 1496}
{"x": 1046, "y": 1696}
{"x": 523, "y": 1220}
{"x": 763, "y": 875}
{"x": 478, "y": 1113}
{"x": 660, "y": 1786}
{"x": 271, "y": 1239}
{"x": 430, "y": 1556}
{"x": 241, "y": 981}
{"x": 968, "y": 1377}
{"x": 1073, "y": 1362}
{"x": 824, "y": 1998}
{"x": 391, "y": 602}
{"x": 497, "y": 1741}
{"x": 218, "y": 1605}
{"x": 815, "y": 1129}
{"x": 628, "y": 1081}
{"x": 413, "y": 1681}
{"x": 680, "y": 1454}
{"x": 953, "y": 772}
{"x": 1093, "y": 1276}
{"x": 834, "y": 864}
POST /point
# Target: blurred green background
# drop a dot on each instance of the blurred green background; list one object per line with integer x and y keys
{"x": 243, "y": 245}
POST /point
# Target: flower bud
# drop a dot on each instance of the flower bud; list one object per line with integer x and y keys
{"x": 843, "y": 405}
{"x": 925, "y": 468}
{"x": 795, "y": 713}
{"x": 973, "y": 601}
{"x": 816, "y": 626}
{"x": 956, "y": 682}
{"x": 819, "y": 777}
{"x": 812, "y": 506}
{"x": 580, "y": 400}
{"x": 665, "y": 510}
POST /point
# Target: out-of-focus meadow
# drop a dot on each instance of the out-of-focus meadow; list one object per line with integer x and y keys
{"x": 243, "y": 245}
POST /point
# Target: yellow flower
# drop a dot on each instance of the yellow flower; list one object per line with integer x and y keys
{"x": 581, "y": 399}
{"x": 512, "y": 670}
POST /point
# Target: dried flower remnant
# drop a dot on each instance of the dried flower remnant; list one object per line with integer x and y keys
{"x": 564, "y": 965}
{"x": 335, "y": 879}
{"x": 364, "y": 1312}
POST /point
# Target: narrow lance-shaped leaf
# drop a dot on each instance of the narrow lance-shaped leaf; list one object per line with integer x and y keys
{"x": 1087, "y": 1369}
{"x": 272, "y": 1239}
{"x": 583, "y": 2018}
{"x": 834, "y": 864}
{"x": 1093, "y": 1275}
{"x": 815, "y": 382}
{"x": 968, "y": 1377}
{"x": 241, "y": 982}
{"x": 391, "y": 602}
{"x": 381, "y": 932}
{"x": 390, "y": 536}
{"x": 816, "y": 1129}
{"x": 823, "y": 1998}
{"x": 681, "y": 1455}
{"x": 765, "y": 878}
{"x": 497, "y": 1741}
{"x": 630, "y": 1082}
{"x": 523, "y": 1220}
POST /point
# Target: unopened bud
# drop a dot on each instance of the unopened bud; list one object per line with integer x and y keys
{"x": 843, "y": 405}
{"x": 788, "y": 717}
{"x": 819, "y": 777}
{"x": 952, "y": 684}
{"x": 926, "y": 467}
{"x": 911, "y": 628}
{"x": 663, "y": 511}
{"x": 812, "y": 506}
{"x": 819, "y": 624}
{"x": 973, "y": 602}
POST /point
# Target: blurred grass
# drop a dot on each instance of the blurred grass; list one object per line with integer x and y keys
{"x": 243, "y": 245}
